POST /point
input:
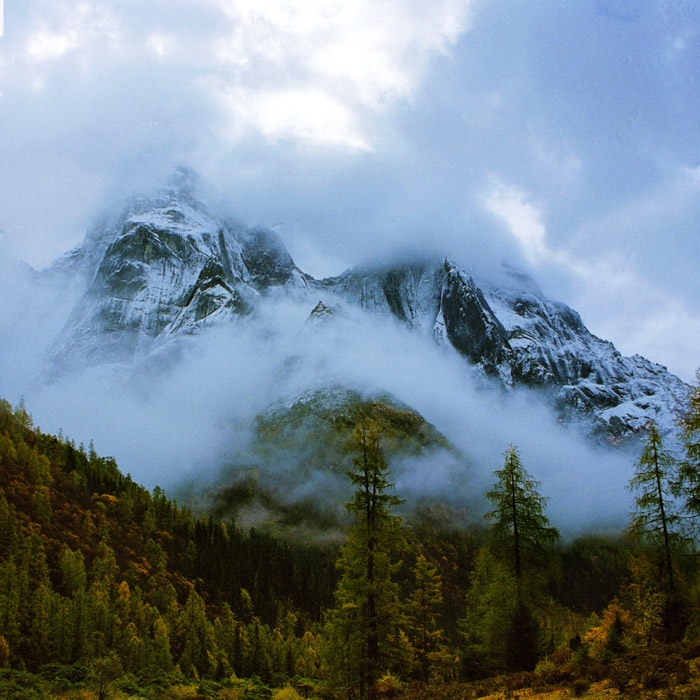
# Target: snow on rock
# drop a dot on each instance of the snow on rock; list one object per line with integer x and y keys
{"x": 166, "y": 268}
{"x": 515, "y": 334}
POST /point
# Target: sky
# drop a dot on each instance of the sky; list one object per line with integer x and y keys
{"x": 561, "y": 137}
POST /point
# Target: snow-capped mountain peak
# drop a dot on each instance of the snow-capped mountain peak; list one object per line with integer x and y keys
{"x": 166, "y": 267}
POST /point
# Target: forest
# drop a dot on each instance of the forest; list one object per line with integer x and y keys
{"x": 108, "y": 590}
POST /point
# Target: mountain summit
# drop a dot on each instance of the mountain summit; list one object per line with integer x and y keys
{"x": 166, "y": 267}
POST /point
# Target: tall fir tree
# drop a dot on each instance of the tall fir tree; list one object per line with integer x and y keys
{"x": 522, "y": 535}
{"x": 520, "y": 530}
{"x": 688, "y": 484}
{"x": 656, "y": 518}
{"x": 432, "y": 659}
{"x": 490, "y": 606}
{"x": 363, "y": 631}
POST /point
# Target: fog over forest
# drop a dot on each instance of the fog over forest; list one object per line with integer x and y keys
{"x": 183, "y": 414}
{"x": 560, "y": 139}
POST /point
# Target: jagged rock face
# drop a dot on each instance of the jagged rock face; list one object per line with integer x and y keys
{"x": 320, "y": 314}
{"x": 431, "y": 297}
{"x": 410, "y": 292}
{"x": 553, "y": 349}
{"x": 471, "y": 326}
{"x": 266, "y": 258}
{"x": 514, "y": 333}
{"x": 166, "y": 268}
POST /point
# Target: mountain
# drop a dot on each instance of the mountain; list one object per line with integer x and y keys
{"x": 166, "y": 267}
{"x": 305, "y": 443}
{"x": 329, "y": 416}
{"x": 515, "y": 334}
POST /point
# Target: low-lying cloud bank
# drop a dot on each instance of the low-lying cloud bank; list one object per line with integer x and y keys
{"x": 188, "y": 413}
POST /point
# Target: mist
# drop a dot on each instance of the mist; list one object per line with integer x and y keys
{"x": 561, "y": 136}
{"x": 184, "y": 418}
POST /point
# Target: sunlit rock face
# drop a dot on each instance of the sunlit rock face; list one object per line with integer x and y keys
{"x": 166, "y": 268}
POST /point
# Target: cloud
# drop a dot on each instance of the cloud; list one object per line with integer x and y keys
{"x": 103, "y": 97}
{"x": 292, "y": 58}
{"x": 82, "y": 27}
{"x": 522, "y": 218}
{"x": 360, "y": 129}
{"x": 309, "y": 116}
{"x": 191, "y": 410}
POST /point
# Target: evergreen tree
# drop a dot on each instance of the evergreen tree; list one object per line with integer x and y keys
{"x": 491, "y": 602}
{"x": 225, "y": 630}
{"x": 519, "y": 529}
{"x": 71, "y": 567}
{"x": 4, "y": 653}
{"x": 688, "y": 484}
{"x": 656, "y": 519}
{"x": 423, "y": 612}
{"x": 363, "y": 636}
{"x": 195, "y": 630}
{"x": 521, "y": 534}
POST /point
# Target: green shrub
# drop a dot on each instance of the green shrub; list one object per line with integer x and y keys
{"x": 286, "y": 693}
{"x": 389, "y": 686}
{"x": 64, "y": 677}
{"x": 20, "y": 685}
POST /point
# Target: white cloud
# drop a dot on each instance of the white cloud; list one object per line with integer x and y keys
{"x": 74, "y": 29}
{"x": 522, "y": 218}
{"x": 47, "y": 45}
{"x": 306, "y": 70}
{"x": 313, "y": 70}
{"x": 306, "y": 115}
{"x": 161, "y": 44}
{"x": 116, "y": 93}
{"x": 616, "y": 300}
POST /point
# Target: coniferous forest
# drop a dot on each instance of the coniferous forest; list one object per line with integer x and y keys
{"x": 108, "y": 590}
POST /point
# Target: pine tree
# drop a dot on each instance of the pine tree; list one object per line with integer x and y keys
{"x": 363, "y": 638}
{"x": 71, "y": 567}
{"x": 688, "y": 484}
{"x": 195, "y": 630}
{"x": 4, "y": 653}
{"x": 161, "y": 657}
{"x": 40, "y": 626}
{"x": 10, "y": 603}
{"x": 522, "y": 535}
{"x": 656, "y": 519}
{"x": 423, "y": 613}
{"x": 225, "y": 629}
{"x": 22, "y": 416}
{"x": 519, "y": 530}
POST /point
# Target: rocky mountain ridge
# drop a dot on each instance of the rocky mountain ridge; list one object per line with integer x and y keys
{"x": 164, "y": 267}
{"x": 167, "y": 268}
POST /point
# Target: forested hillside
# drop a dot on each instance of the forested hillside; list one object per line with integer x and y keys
{"x": 93, "y": 565}
{"x": 108, "y": 589}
